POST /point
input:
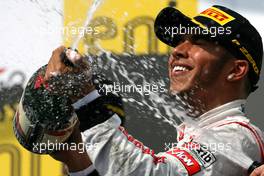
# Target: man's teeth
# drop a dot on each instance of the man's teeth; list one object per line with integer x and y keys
{"x": 180, "y": 68}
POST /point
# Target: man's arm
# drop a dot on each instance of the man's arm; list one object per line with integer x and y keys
{"x": 114, "y": 152}
{"x": 76, "y": 160}
{"x": 111, "y": 150}
{"x": 76, "y": 66}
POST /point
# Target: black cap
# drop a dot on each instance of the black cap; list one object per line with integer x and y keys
{"x": 217, "y": 23}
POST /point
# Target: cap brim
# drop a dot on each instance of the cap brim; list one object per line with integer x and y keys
{"x": 168, "y": 24}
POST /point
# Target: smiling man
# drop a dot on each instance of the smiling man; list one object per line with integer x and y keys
{"x": 217, "y": 69}
{"x": 199, "y": 68}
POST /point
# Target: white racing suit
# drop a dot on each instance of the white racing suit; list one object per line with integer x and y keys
{"x": 223, "y": 143}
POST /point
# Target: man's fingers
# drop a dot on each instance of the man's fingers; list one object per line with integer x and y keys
{"x": 58, "y": 50}
{"x": 258, "y": 171}
{"x": 73, "y": 56}
{"x": 56, "y": 54}
{"x": 255, "y": 173}
{"x": 55, "y": 66}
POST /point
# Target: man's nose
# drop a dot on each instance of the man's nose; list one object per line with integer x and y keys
{"x": 182, "y": 50}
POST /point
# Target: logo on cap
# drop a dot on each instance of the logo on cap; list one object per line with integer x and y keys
{"x": 247, "y": 55}
{"x": 217, "y": 15}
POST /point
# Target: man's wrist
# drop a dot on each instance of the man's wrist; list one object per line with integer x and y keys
{"x": 78, "y": 162}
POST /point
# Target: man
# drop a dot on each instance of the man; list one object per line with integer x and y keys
{"x": 217, "y": 72}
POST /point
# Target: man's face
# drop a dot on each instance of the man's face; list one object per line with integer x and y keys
{"x": 195, "y": 63}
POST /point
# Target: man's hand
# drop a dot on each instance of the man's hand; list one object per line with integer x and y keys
{"x": 258, "y": 171}
{"x": 56, "y": 66}
{"x": 76, "y": 160}
{"x": 72, "y": 79}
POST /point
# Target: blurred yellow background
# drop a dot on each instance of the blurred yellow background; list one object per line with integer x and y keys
{"x": 125, "y": 27}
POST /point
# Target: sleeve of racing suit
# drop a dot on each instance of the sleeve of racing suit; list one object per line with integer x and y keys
{"x": 114, "y": 152}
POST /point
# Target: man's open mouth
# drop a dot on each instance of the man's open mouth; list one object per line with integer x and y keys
{"x": 180, "y": 69}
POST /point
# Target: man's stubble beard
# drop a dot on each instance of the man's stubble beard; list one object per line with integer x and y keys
{"x": 196, "y": 100}
{"x": 190, "y": 102}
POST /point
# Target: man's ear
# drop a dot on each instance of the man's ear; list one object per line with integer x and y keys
{"x": 239, "y": 70}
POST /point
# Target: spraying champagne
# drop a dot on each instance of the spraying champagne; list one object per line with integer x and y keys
{"x": 45, "y": 115}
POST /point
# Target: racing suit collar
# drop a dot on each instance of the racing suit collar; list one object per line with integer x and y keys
{"x": 233, "y": 108}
